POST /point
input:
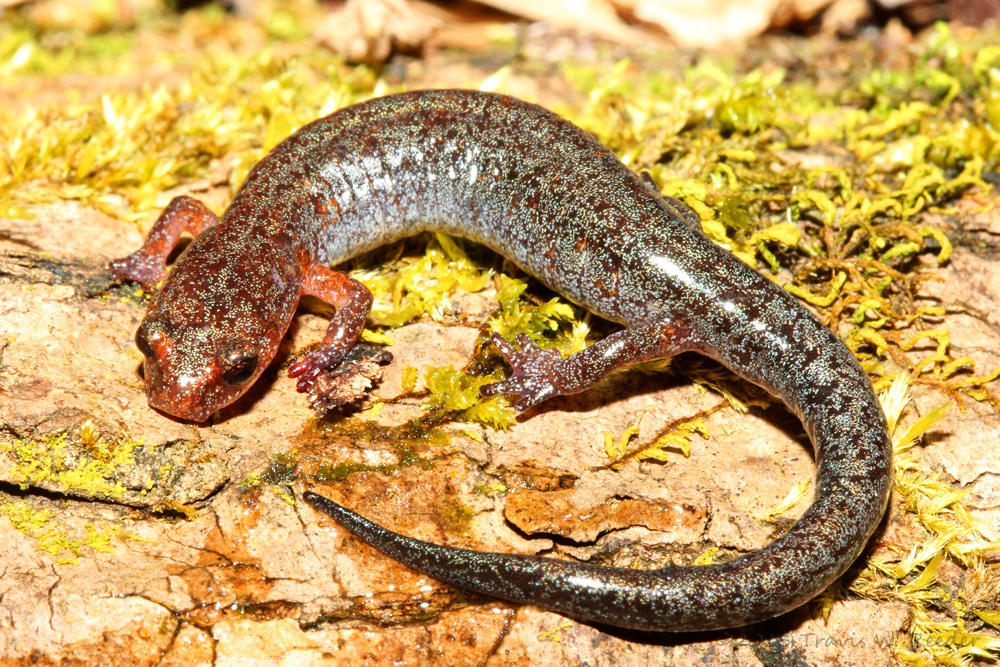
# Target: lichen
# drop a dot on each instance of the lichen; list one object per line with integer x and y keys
{"x": 52, "y": 536}
{"x": 54, "y": 461}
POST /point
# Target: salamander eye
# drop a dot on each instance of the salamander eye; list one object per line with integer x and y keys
{"x": 238, "y": 361}
{"x": 142, "y": 342}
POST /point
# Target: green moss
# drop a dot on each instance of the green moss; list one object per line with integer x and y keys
{"x": 456, "y": 393}
{"x": 282, "y": 470}
{"x": 407, "y": 458}
{"x": 554, "y": 323}
{"x": 675, "y": 437}
{"x": 417, "y": 432}
{"x": 137, "y": 145}
{"x": 405, "y": 288}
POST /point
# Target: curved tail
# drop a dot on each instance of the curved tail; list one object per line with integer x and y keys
{"x": 850, "y": 499}
{"x": 844, "y": 418}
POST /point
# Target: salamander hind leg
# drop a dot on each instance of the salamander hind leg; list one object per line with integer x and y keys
{"x": 148, "y": 264}
{"x": 539, "y": 374}
{"x": 534, "y": 372}
{"x": 353, "y": 302}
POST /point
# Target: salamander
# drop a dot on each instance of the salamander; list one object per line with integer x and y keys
{"x": 544, "y": 193}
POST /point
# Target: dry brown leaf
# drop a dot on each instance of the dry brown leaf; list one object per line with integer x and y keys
{"x": 369, "y": 31}
{"x": 350, "y": 381}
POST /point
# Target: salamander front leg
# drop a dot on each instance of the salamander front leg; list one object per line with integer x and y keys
{"x": 539, "y": 374}
{"x": 148, "y": 264}
{"x": 353, "y": 302}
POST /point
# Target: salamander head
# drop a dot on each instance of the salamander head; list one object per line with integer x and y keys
{"x": 190, "y": 376}
{"x": 211, "y": 331}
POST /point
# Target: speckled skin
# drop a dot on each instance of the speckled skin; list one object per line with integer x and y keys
{"x": 537, "y": 189}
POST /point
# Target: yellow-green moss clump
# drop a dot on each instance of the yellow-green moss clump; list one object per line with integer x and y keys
{"x": 858, "y": 169}
{"x": 85, "y": 468}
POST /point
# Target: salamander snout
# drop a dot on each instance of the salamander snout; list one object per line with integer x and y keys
{"x": 194, "y": 379}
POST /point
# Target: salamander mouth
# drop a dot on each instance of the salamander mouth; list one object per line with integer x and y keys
{"x": 186, "y": 411}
